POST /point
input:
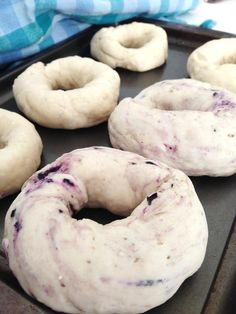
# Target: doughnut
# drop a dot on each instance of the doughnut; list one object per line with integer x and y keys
{"x": 68, "y": 93}
{"x": 20, "y": 150}
{"x": 187, "y": 124}
{"x": 135, "y": 46}
{"x": 214, "y": 62}
{"x": 127, "y": 266}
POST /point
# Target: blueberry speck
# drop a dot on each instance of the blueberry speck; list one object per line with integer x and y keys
{"x": 43, "y": 175}
{"x": 172, "y": 185}
{"x": 215, "y": 94}
{"x": 13, "y": 213}
{"x": 145, "y": 283}
{"x": 17, "y": 226}
{"x": 133, "y": 163}
{"x": 68, "y": 182}
{"x": 150, "y": 163}
{"x": 214, "y": 130}
{"x": 60, "y": 211}
{"x": 148, "y": 283}
{"x": 225, "y": 103}
{"x": 172, "y": 148}
{"x": 49, "y": 180}
{"x": 72, "y": 209}
{"x": 151, "y": 198}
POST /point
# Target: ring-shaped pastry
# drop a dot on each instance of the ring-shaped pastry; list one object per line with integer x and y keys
{"x": 135, "y": 46}
{"x": 214, "y": 62}
{"x": 20, "y": 151}
{"x": 127, "y": 266}
{"x": 187, "y": 124}
{"x": 68, "y": 93}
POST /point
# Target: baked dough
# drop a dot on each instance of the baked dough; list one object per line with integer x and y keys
{"x": 127, "y": 266}
{"x": 214, "y": 62}
{"x": 68, "y": 93}
{"x": 187, "y": 124}
{"x": 135, "y": 46}
{"x": 20, "y": 150}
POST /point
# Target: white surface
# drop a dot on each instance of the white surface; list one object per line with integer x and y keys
{"x": 223, "y": 12}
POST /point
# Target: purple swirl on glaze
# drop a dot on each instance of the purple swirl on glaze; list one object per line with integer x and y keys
{"x": 222, "y": 104}
{"x": 148, "y": 283}
{"x": 145, "y": 210}
{"x": 41, "y": 177}
{"x": 145, "y": 283}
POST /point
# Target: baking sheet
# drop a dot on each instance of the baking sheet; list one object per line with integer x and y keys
{"x": 218, "y": 195}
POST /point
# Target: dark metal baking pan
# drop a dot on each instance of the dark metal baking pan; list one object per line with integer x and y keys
{"x": 218, "y": 195}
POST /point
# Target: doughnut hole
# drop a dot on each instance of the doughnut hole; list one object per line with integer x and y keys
{"x": 229, "y": 59}
{"x": 180, "y": 94}
{"x": 100, "y": 215}
{"x": 135, "y": 41}
{"x": 69, "y": 84}
{"x": 60, "y": 86}
{"x": 65, "y": 76}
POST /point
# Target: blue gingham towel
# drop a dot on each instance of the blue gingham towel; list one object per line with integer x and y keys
{"x": 29, "y": 26}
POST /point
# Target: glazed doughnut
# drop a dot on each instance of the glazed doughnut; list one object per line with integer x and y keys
{"x": 20, "y": 150}
{"x": 68, "y": 93}
{"x": 187, "y": 124}
{"x": 127, "y": 266}
{"x": 135, "y": 46}
{"x": 214, "y": 62}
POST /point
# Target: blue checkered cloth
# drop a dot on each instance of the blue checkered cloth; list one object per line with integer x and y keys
{"x": 30, "y": 26}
